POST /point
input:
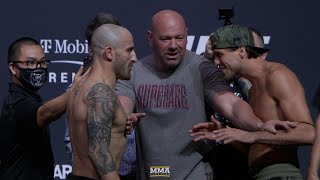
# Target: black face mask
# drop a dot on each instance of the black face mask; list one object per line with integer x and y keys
{"x": 33, "y": 79}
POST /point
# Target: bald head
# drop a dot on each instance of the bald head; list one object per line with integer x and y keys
{"x": 108, "y": 35}
{"x": 113, "y": 49}
{"x": 168, "y": 39}
{"x": 167, "y": 18}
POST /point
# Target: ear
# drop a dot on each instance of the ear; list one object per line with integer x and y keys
{"x": 264, "y": 55}
{"x": 108, "y": 53}
{"x": 12, "y": 69}
{"x": 149, "y": 36}
{"x": 186, "y": 34}
{"x": 90, "y": 51}
{"x": 242, "y": 52}
{"x": 208, "y": 53}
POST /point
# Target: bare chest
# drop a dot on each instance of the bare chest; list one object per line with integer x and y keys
{"x": 263, "y": 105}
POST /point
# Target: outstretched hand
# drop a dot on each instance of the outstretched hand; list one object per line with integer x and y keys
{"x": 229, "y": 135}
{"x": 79, "y": 74}
{"x": 273, "y": 125}
{"x": 132, "y": 120}
{"x": 204, "y": 130}
{"x": 78, "y": 77}
{"x": 226, "y": 136}
{"x": 313, "y": 176}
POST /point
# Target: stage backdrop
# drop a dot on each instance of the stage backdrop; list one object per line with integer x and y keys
{"x": 291, "y": 31}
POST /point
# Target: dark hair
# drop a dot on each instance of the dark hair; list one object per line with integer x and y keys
{"x": 252, "y": 53}
{"x": 100, "y": 19}
{"x": 14, "y": 48}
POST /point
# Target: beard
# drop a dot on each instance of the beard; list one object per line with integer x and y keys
{"x": 123, "y": 76}
{"x": 123, "y": 72}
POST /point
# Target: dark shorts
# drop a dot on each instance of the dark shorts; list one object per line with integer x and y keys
{"x": 276, "y": 172}
{"x": 128, "y": 177}
{"x": 75, "y": 177}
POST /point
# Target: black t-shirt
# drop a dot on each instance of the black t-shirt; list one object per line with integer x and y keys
{"x": 25, "y": 152}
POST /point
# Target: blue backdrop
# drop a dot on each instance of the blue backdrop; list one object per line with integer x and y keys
{"x": 290, "y": 29}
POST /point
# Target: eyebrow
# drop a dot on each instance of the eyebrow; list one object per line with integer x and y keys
{"x": 32, "y": 58}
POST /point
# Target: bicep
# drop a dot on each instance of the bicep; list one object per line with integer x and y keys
{"x": 223, "y": 102}
{"x": 295, "y": 109}
{"x": 212, "y": 80}
{"x": 236, "y": 110}
{"x": 289, "y": 94}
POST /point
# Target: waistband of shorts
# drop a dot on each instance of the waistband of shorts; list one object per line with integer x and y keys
{"x": 255, "y": 170}
{"x": 75, "y": 177}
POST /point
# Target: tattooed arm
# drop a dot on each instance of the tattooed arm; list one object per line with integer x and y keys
{"x": 102, "y": 104}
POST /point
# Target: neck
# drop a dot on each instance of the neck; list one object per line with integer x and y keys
{"x": 104, "y": 72}
{"x": 253, "y": 69}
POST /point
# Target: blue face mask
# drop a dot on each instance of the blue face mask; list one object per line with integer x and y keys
{"x": 33, "y": 79}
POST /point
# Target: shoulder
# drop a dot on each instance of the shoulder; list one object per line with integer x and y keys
{"x": 193, "y": 57}
{"x": 99, "y": 88}
{"x": 102, "y": 92}
{"x": 145, "y": 61}
{"x": 24, "y": 102}
{"x": 102, "y": 97}
{"x": 143, "y": 64}
{"x": 281, "y": 80}
{"x": 17, "y": 94}
{"x": 197, "y": 61}
{"x": 279, "y": 73}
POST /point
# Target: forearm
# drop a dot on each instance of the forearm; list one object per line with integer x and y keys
{"x": 301, "y": 135}
{"x": 315, "y": 151}
{"x": 111, "y": 176}
{"x": 314, "y": 158}
{"x": 52, "y": 110}
{"x": 104, "y": 164}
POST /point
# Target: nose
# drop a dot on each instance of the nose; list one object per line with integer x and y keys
{"x": 173, "y": 44}
{"x": 134, "y": 57}
{"x": 38, "y": 64}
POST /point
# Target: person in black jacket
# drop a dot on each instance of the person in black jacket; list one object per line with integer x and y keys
{"x": 25, "y": 151}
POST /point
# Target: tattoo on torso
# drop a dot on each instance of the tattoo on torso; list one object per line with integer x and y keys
{"x": 102, "y": 103}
